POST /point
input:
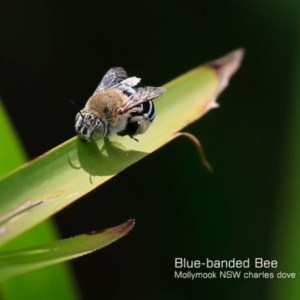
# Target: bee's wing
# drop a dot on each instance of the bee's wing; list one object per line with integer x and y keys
{"x": 113, "y": 77}
{"x": 142, "y": 94}
{"x": 127, "y": 85}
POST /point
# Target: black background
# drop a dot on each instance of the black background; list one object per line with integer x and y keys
{"x": 52, "y": 51}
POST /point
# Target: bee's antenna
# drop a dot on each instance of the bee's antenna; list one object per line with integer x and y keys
{"x": 76, "y": 107}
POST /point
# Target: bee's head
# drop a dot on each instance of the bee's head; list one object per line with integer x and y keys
{"x": 89, "y": 127}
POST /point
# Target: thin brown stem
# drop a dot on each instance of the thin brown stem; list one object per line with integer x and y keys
{"x": 199, "y": 148}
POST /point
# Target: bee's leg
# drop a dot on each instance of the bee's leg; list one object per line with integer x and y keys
{"x": 142, "y": 123}
{"x": 134, "y": 138}
{"x": 136, "y": 125}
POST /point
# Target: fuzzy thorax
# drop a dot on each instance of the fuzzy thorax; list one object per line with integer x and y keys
{"x": 104, "y": 105}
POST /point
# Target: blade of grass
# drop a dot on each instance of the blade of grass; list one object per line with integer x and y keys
{"x": 17, "y": 262}
{"x": 57, "y": 278}
{"x": 69, "y": 171}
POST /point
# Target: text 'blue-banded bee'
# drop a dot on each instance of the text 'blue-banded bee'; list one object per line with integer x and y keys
{"x": 117, "y": 106}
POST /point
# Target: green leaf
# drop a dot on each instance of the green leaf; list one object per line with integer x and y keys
{"x": 47, "y": 184}
{"x": 50, "y": 281}
{"x": 11, "y": 153}
{"x": 17, "y": 262}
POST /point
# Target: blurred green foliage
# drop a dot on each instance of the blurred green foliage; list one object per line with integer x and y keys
{"x": 46, "y": 283}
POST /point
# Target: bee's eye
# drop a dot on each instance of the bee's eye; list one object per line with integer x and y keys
{"x": 99, "y": 131}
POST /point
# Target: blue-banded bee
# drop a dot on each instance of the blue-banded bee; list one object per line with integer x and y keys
{"x": 117, "y": 106}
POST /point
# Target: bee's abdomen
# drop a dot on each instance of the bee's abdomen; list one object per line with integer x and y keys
{"x": 146, "y": 108}
{"x": 139, "y": 120}
{"x": 149, "y": 109}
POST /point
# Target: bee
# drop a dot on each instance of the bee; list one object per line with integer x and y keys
{"x": 117, "y": 107}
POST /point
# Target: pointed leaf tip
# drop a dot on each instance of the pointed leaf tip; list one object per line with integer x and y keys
{"x": 119, "y": 230}
{"x": 128, "y": 224}
{"x": 124, "y": 228}
{"x": 225, "y": 67}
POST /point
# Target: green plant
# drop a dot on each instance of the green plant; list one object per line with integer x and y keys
{"x": 72, "y": 169}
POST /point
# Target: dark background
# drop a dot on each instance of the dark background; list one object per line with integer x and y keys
{"x": 52, "y": 51}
